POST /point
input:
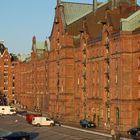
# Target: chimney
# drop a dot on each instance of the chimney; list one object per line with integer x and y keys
{"x": 33, "y": 43}
{"x": 94, "y": 5}
{"x": 58, "y": 2}
{"x": 113, "y": 4}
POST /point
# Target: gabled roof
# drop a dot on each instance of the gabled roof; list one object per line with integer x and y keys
{"x": 40, "y": 45}
{"x": 92, "y": 22}
{"x": 74, "y": 11}
{"x": 132, "y": 22}
{"x": 92, "y": 19}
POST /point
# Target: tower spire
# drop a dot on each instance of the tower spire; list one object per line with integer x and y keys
{"x": 33, "y": 43}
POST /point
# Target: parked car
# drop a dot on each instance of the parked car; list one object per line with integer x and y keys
{"x": 134, "y": 131}
{"x": 86, "y": 123}
{"x": 22, "y": 112}
{"x": 56, "y": 120}
{"x": 7, "y": 110}
{"x": 19, "y": 135}
{"x": 30, "y": 116}
{"x": 42, "y": 121}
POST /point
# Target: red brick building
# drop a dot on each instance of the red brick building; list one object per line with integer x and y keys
{"x": 31, "y": 78}
{"x": 92, "y": 67}
{"x": 7, "y": 73}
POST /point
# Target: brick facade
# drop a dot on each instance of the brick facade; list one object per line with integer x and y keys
{"x": 7, "y": 74}
{"x": 94, "y": 78}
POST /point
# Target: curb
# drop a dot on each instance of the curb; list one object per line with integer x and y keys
{"x": 87, "y": 131}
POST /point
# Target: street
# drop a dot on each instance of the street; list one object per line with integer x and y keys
{"x": 18, "y": 123}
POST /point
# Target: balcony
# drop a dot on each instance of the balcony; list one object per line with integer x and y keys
{"x": 84, "y": 62}
{"x": 84, "y": 51}
{"x": 107, "y": 74}
{"x": 84, "y": 75}
{"x": 58, "y": 62}
{"x": 107, "y": 88}
{"x": 107, "y": 46}
{"x": 84, "y": 88}
{"x": 107, "y": 103}
{"x": 107, "y": 59}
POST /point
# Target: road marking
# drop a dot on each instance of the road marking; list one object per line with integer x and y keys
{"x": 87, "y": 131}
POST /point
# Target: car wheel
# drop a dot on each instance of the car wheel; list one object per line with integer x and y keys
{"x": 89, "y": 125}
{"x": 51, "y": 124}
{"x": 38, "y": 125}
{"x": 23, "y": 138}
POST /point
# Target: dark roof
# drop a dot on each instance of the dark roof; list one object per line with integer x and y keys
{"x": 92, "y": 22}
{"x": 2, "y": 48}
{"x": 93, "y": 19}
{"x": 73, "y": 11}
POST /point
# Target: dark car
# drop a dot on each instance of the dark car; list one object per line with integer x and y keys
{"x": 134, "y": 131}
{"x": 19, "y": 135}
{"x": 22, "y": 112}
{"x": 56, "y": 121}
{"x": 86, "y": 123}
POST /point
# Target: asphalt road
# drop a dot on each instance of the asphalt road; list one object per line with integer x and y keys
{"x": 16, "y": 123}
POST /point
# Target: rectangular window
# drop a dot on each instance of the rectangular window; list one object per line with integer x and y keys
{"x": 139, "y": 79}
{"x": 62, "y": 88}
{"x": 139, "y": 62}
{"x": 139, "y": 94}
{"x": 116, "y": 79}
{"x": 78, "y": 82}
{"x": 116, "y": 64}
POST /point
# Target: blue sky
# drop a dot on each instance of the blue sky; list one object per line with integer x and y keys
{"x": 22, "y": 19}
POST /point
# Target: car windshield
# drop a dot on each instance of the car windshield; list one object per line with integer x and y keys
{"x": 134, "y": 129}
